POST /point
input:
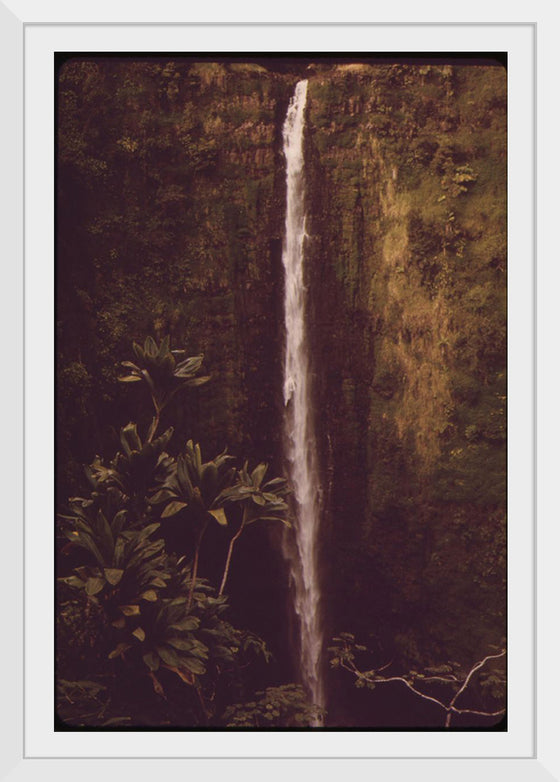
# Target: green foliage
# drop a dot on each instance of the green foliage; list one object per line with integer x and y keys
{"x": 343, "y": 649}
{"x": 134, "y": 470}
{"x": 167, "y": 632}
{"x": 158, "y": 367}
{"x": 85, "y": 702}
{"x": 148, "y": 168}
{"x": 458, "y": 689}
{"x": 286, "y": 706}
{"x": 260, "y": 501}
{"x": 408, "y": 264}
{"x": 196, "y": 485}
{"x": 124, "y": 564}
{"x": 157, "y": 616}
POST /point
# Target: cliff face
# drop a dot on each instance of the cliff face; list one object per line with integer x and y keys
{"x": 408, "y": 262}
{"x": 171, "y": 192}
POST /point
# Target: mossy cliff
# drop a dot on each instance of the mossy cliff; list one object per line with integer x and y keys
{"x": 407, "y": 256}
{"x": 170, "y": 216}
{"x": 171, "y": 191}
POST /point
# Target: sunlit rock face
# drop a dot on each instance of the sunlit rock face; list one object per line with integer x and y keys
{"x": 407, "y": 259}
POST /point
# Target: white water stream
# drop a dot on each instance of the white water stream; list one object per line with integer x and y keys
{"x": 301, "y": 551}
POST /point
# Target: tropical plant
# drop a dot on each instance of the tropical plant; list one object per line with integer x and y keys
{"x": 154, "y": 615}
{"x": 135, "y": 470}
{"x": 260, "y": 502}
{"x": 126, "y": 565}
{"x": 198, "y": 487}
{"x": 170, "y": 634}
{"x": 157, "y": 366}
{"x": 147, "y": 597}
{"x": 286, "y": 706}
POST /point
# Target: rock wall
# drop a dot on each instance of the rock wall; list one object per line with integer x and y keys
{"x": 408, "y": 278}
{"x": 170, "y": 217}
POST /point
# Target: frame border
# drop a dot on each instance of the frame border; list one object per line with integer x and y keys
{"x": 13, "y": 51}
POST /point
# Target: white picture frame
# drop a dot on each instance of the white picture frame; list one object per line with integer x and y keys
{"x": 31, "y": 749}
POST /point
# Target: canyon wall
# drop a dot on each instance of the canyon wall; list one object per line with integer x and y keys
{"x": 407, "y": 271}
{"x": 170, "y": 213}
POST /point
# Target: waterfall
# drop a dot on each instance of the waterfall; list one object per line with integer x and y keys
{"x": 301, "y": 547}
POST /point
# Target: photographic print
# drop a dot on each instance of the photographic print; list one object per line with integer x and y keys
{"x": 281, "y": 392}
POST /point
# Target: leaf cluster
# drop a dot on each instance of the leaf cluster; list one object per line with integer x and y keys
{"x": 196, "y": 484}
{"x": 484, "y": 683}
{"x": 283, "y": 706}
{"x": 262, "y": 501}
{"x": 158, "y": 367}
{"x": 160, "y": 616}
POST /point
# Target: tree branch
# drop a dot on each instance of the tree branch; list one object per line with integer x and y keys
{"x": 473, "y": 670}
{"x": 373, "y": 677}
{"x": 230, "y": 552}
{"x": 465, "y": 684}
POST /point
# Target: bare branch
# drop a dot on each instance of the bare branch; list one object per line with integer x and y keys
{"x": 463, "y": 687}
{"x": 346, "y": 661}
{"x": 473, "y": 670}
{"x": 480, "y": 713}
{"x": 448, "y": 679}
{"x": 411, "y": 688}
